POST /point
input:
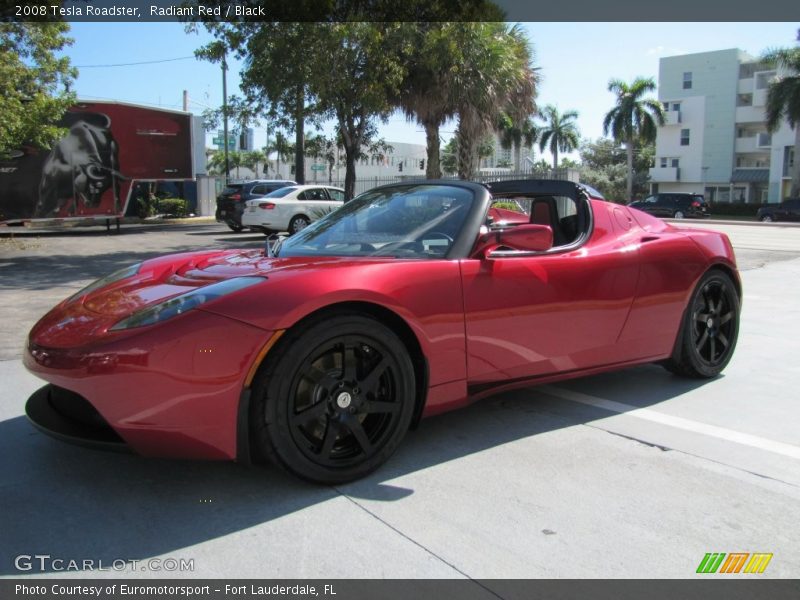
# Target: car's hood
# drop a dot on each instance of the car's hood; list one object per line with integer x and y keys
{"x": 158, "y": 280}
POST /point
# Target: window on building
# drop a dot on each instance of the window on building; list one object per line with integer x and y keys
{"x": 684, "y": 137}
{"x": 675, "y": 163}
{"x": 763, "y": 80}
{"x": 687, "y": 80}
{"x": 788, "y": 160}
{"x": 663, "y": 162}
{"x": 676, "y": 106}
{"x": 666, "y": 106}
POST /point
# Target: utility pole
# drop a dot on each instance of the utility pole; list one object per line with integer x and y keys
{"x": 225, "y": 114}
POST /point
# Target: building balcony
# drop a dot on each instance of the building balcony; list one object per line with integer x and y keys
{"x": 672, "y": 117}
{"x": 665, "y": 174}
{"x": 750, "y": 114}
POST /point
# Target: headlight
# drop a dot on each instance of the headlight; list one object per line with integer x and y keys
{"x": 107, "y": 280}
{"x": 185, "y": 302}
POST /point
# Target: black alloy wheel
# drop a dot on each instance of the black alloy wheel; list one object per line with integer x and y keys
{"x": 336, "y": 401}
{"x": 710, "y": 328}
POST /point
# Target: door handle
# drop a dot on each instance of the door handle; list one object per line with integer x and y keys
{"x": 650, "y": 238}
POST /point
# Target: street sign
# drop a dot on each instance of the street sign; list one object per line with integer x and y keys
{"x": 216, "y": 141}
{"x": 317, "y": 167}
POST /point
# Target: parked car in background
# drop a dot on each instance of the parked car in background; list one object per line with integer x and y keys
{"x": 291, "y": 208}
{"x": 673, "y": 205}
{"x": 231, "y": 202}
{"x": 788, "y": 210}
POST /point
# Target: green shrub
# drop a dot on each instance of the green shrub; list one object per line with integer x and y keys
{"x": 507, "y": 205}
{"x": 176, "y": 207}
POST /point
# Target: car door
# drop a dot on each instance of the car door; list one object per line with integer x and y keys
{"x": 528, "y": 316}
{"x": 664, "y": 206}
{"x": 792, "y": 210}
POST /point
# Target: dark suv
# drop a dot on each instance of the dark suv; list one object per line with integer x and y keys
{"x": 788, "y": 210}
{"x": 231, "y": 202}
{"x": 675, "y": 206}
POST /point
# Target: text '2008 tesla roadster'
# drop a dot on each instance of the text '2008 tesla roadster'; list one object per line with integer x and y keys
{"x": 413, "y": 299}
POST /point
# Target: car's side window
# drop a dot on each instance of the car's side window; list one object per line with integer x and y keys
{"x": 302, "y": 196}
{"x": 259, "y": 190}
{"x": 650, "y": 199}
{"x": 560, "y": 213}
{"x": 336, "y": 195}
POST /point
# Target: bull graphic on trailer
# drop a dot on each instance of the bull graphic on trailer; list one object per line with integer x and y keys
{"x": 80, "y": 168}
{"x": 91, "y": 171}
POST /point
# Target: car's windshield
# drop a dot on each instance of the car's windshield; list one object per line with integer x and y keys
{"x": 411, "y": 221}
{"x": 280, "y": 193}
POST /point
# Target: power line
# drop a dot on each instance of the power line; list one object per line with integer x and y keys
{"x": 146, "y": 62}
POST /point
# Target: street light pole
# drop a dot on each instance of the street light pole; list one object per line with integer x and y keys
{"x": 225, "y": 114}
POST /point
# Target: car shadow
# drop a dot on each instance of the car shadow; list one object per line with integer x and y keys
{"x": 72, "y": 502}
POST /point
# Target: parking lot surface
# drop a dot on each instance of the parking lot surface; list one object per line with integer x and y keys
{"x": 631, "y": 474}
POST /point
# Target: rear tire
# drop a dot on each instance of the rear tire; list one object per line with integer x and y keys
{"x": 334, "y": 400}
{"x": 298, "y": 223}
{"x": 767, "y": 219}
{"x": 234, "y": 227}
{"x": 709, "y": 329}
{"x": 678, "y": 214}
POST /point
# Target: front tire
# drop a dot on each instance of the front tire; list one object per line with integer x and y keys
{"x": 709, "y": 329}
{"x": 767, "y": 219}
{"x": 334, "y": 400}
{"x": 234, "y": 226}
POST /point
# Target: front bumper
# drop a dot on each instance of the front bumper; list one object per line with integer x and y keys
{"x": 170, "y": 390}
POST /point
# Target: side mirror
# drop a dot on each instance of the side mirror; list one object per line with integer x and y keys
{"x": 526, "y": 238}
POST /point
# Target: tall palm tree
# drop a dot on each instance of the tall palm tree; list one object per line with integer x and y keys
{"x": 783, "y": 101}
{"x": 516, "y": 135}
{"x": 282, "y": 149}
{"x": 633, "y": 117}
{"x": 559, "y": 132}
{"x": 425, "y": 92}
{"x": 495, "y": 74}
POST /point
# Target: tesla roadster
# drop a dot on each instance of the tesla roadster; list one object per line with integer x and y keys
{"x": 320, "y": 352}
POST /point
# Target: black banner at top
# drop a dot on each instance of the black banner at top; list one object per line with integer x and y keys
{"x": 399, "y": 10}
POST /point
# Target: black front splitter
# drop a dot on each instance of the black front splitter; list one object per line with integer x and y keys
{"x": 69, "y": 417}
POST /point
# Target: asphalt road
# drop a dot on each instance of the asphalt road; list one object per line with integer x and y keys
{"x": 632, "y": 474}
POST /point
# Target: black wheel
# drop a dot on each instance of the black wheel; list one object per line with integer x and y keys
{"x": 678, "y": 214}
{"x": 766, "y": 219}
{"x": 335, "y": 400}
{"x": 235, "y": 227}
{"x": 298, "y": 223}
{"x": 710, "y": 328}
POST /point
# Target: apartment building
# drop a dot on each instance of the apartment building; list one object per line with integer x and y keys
{"x": 715, "y": 139}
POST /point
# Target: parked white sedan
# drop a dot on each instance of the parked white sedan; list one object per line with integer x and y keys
{"x": 291, "y": 208}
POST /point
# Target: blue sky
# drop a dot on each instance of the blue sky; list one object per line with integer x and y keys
{"x": 576, "y": 61}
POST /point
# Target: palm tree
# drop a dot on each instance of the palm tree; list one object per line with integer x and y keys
{"x": 495, "y": 75}
{"x": 559, "y": 132}
{"x": 783, "y": 101}
{"x": 252, "y": 160}
{"x": 516, "y": 135}
{"x": 633, "y": 117}
{"x": 282, "y": 149}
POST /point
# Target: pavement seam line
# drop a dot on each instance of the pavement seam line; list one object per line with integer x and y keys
{"x": 654, "y": 416}
{"x": 686, "y": 453}
{"x": 415, "y": 542}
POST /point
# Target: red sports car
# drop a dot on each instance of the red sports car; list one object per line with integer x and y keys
{"x": 320, "y": 353}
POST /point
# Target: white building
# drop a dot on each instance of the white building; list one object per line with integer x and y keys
{"x": 715, "y": 140}
{"x": 404, "y": 160}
